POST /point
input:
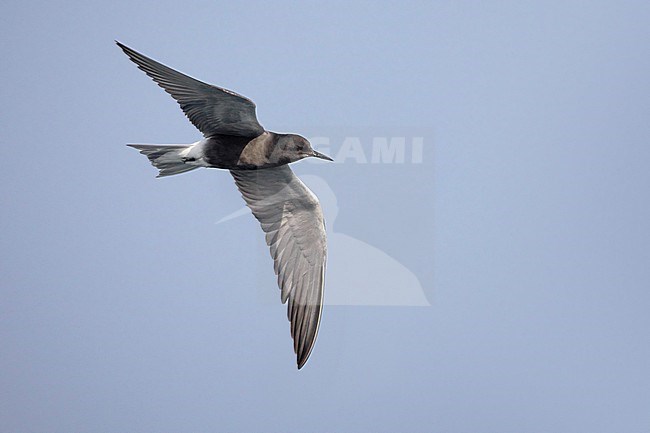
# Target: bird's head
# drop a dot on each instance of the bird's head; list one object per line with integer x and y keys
{"x": 294, "y": 147}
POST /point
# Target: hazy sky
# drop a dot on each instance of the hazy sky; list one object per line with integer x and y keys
{"x": 520, "y": 212}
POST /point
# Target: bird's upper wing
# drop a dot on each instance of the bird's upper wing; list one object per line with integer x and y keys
{"x": 291, "y": 217}
{"x": 211, "y": 109}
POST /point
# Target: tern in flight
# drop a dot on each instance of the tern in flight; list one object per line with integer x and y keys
{"x": 287, "y": 210}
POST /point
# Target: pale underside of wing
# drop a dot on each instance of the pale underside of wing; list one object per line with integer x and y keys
{"x": 291, "y": 217}
{"x": 213, "y": 110}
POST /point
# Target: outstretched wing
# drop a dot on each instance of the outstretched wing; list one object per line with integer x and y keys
{"x": 291, "y": 217}
{"x": 211, "y": 109}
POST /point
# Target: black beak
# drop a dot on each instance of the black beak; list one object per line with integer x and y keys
{"x": 320, "y": 155}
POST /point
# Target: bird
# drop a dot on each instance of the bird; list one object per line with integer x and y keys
{"x": 289, "y": 213}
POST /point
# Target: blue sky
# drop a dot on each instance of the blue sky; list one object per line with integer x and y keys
{"x": 525, "y": 225}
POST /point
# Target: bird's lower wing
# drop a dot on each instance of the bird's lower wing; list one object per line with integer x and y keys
{"x": 292, "y": 219}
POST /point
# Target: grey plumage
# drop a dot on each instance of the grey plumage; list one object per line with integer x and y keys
{"x": 164, "y": 158}
{"x": 291, "y": 217}
{"x": 211, "y": 109}
{"x": 289, "y": 213}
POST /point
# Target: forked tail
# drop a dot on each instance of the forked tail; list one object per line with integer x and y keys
{"x": 168, "y": 159}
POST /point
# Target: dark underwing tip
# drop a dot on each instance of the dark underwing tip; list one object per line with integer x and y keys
{"x": 302, "y": 358}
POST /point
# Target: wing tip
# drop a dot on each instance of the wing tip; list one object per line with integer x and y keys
{"x": 130, "y": 52}
{"x": 301, "y": 362}
{"x": 121, "y": 45}
{"x": 304, "y": 352}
